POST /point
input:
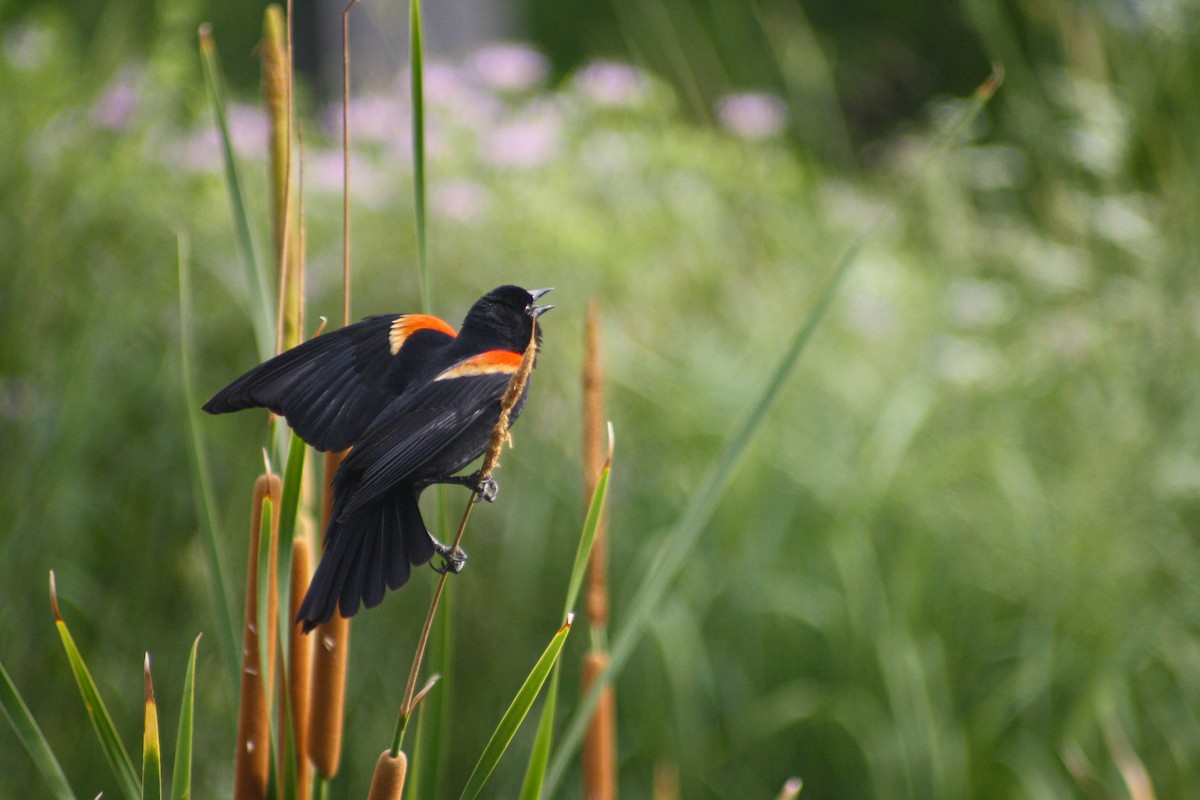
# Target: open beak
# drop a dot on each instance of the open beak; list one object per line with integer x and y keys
{"x": 537, "y": 311}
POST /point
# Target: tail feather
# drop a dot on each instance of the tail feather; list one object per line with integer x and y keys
{"x": 365, "y": 555}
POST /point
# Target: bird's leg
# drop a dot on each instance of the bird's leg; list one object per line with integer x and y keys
{"x": 453, "y": 558}
{"x": 485, "y": 488}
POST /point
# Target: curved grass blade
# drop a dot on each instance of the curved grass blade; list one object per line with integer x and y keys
{"x": 264, "y": 318}
{"x": 106, "y": 732}
{"x": 181, "y": 772}
{"x": 205, "y": 504}
{"x": 27, "y": 730}
{"x": 151, "y": 747}
{"x": 515, "y": 714}
{"x": 539, "y": 757}
{"x": 679, "y": 542}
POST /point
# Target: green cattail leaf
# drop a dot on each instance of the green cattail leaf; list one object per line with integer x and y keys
{"x": 31, "y": 738}
{"x": 681, "y": 539}
{"x": 417, "y": 71}
{"x": 151, "y": 747}
{"x": 539, "y": 756}
{"x": 515, "y": 715}
{"x": 110, "y": 742}
{"x": 205, "y": 504}
{"x": 181, "y": 773}
{"x": 263, "y": 313}
{"x": 588, "y": 536}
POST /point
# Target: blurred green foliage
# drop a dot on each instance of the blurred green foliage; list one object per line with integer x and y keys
{"x": 961, "y": 562}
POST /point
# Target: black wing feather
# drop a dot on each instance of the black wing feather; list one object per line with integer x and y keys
{"x": 414, "y": 429}
{"x": 332, "y": 387}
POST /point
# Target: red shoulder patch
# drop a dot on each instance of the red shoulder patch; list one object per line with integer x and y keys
{"x": 490, "y": 363}
{"x": 407, "y": 325}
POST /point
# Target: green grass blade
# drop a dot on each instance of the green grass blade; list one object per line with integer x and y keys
{"x": 181, "y": 772}
{"x": 681, "y": 539}
{"x": 264, "y": 316}
{"x": 27, "y": 730}
{"x": 205, "y": 504}
{"x": 417, "y": 69}
{"x": 110, "y": 742}
{"x": 151, "y": 746}
{"x": 539, "y": 755}
{"x": 515, "y": 714}
{"x": 263, "y": 587}
{"x": 586, "y": 538}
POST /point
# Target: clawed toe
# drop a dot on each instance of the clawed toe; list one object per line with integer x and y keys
{"x": 453, "y": 559}
{"x": 487, "y": 489}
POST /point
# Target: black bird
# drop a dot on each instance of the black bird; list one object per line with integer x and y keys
{"x": 417, "y": 403}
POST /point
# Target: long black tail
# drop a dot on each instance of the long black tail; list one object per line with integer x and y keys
{"x": 365, "y": 555}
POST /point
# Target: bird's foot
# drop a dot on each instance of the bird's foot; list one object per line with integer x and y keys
{"x": 486, "y": 489}
{"x": 453, "y": 558}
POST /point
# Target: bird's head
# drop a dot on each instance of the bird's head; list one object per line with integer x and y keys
{"x": 506, "y": 316}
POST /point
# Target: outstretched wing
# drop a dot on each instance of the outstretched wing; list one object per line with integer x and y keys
{"x": 332, "y": 388}
{"x": 444, "y": 422}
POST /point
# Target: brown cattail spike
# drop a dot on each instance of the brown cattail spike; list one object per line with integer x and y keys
{"x": 598, "y": 757}
{"x": 331, "y": 653}
{"x": 388, "y": 781}
{"x": 252, "y": 757}
{"x": 299, "y": 667}
{"x": 594, "y": 449}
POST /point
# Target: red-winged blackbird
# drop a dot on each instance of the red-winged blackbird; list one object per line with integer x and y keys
{"x": 417, "y": 403}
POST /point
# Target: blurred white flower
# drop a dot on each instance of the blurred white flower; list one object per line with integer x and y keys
{"x": 29, "y": 46}
{"x": 980, "y": 303}
{"x": 966, "y": 363}
{"x": 753, "y": 115}
{"x": 508, "y": 67}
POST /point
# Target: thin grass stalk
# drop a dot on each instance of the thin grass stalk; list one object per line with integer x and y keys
{"x": 299, "y": 671}
{"x": 346, "y": 162}
{"x": 666, "y": 781}
{"x": 388, "y": 781}
{"x": 682, "y": 538}
{"x": 331, "y": 652}
{"x": 491, "y": 459}
{"x": 181, "y": 768}
{"x": 204, "y": 500}
{"x": 32, "y": 738}
{"x": 791, "y": 789}
{"x": 252, "y": 759}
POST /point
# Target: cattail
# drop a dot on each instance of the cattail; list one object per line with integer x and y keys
{"x": 599, "y": 754}
{"x": 388, "y": 781}
{"x": 594, "y": 454}
{"x": 252, "y": 758}
{"x": 598, "y": 757}
{"x": 299, "y": 669}
{"x": 277, "y": 85}
{"x": 331, "y": 652}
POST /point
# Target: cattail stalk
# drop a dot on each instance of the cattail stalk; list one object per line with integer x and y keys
{"x": 598, "y": 757}
{"x": 252, "y": 758}
{"x": 331, "y": 652}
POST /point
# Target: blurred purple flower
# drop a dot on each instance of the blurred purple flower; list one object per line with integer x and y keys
{"x": 248, "y": 129}
{"x": 528, "y": 141}
{"x": 613, "y": 84}
{"x": 752, "y": 115}
{"x": 323, "y": 172}
{"x": 459, "y": 200}
{"x": 508, "y": 67}
{"x": 115, "y": 108}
